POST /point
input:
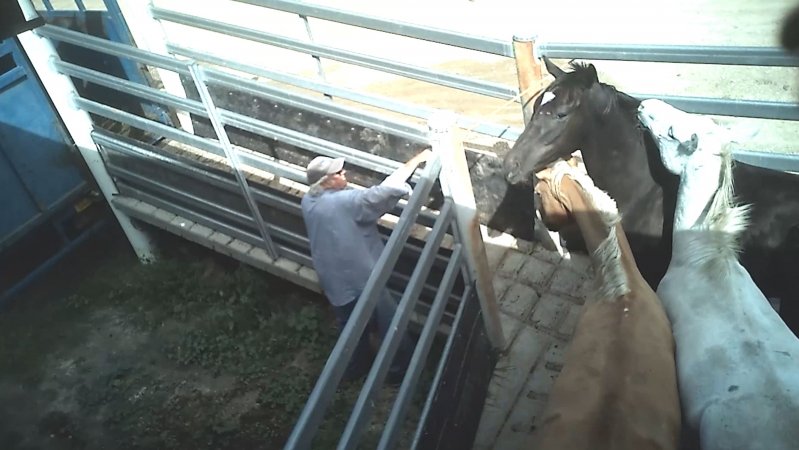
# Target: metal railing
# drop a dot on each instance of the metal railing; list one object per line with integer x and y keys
{"x": 468, "y": 84}
{"x": 731, "y": 55}
{"x": 724, "y": 55}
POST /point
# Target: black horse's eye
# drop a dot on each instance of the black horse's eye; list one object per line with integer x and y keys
{"x": 561, "y": 115}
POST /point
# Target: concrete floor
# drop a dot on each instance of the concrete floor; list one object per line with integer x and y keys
{"x": 541, "y": 297}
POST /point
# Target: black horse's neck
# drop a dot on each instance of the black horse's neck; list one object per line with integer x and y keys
{"x": 614, "y": 149}
{"x": 624, "y": 161}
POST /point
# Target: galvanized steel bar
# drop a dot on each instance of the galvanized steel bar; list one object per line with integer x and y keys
{"x": 182, "y": 211}
{"x": 80, "y": 5}
{"x": 362, "y": 410}
{"x": 423, "y": 112}
{"x": 149, "y": 125}
{"x": 456, "y": 184}
{"x": 230, "y": 153}
{"x": 320, "y": 106}
{"x": 130, "y": 87}
{"x": 323, "y": 87}
{"x": 167, "y": 160}
{"x": 249, "y": 158}
{"x": 388, "y": 439}
{"x": 693, "y": 54}
{"x": 170, "y": 191}
{"x": 376, "y": 163}
{"x": 440, "y": 370}
{"x": 293, "y": 255}
{"x": 371, "y": 62}
{"x": 47, "y": 5}
{"x": 784, "y": 162}
{"x": 481, "y": 44}
{"x": 212, "y": 223}
{"x": 317, "y": 145}
{"x": 319, "y": 69}
{"x": 308, "y": 423}
{"x": 112, "y": 48}
{"x": 757, "y": 109}
{"x": 242, "y": 219}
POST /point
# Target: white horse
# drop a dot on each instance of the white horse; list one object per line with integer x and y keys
{"x": 737, "y": 361}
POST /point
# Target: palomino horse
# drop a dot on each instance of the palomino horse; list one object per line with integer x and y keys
{"x": 577, "y": 111}
{"x": 618, "y": 386}
{"x": 738, "y": 364}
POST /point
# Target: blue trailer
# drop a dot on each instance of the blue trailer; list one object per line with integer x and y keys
{"x": 48, "y": 198}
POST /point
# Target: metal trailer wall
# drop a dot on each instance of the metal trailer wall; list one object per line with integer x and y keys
{"x": 58, "y": 209}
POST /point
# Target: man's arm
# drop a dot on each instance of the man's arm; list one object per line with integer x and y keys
{"x": 401, "y": 175}
{"x": 377, "y": 200}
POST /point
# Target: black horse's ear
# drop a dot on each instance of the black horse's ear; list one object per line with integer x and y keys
{"x": 789, "y": 36}
{"x": 556, "y": 71}
{"x": 588, "y": 75}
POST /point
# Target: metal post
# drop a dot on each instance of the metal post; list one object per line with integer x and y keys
{"x": 230, "y": 153}
{"x": 59, "y": 88}
{"x": 318, "y": 60}
{"x": 528, "y": 70}
{"x": 148, "y": 35}
{"x": 457, "y": 185}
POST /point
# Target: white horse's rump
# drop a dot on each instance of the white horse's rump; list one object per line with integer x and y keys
{"x": 737, "y": 361}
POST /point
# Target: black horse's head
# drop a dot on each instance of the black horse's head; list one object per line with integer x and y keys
{"x": 789, "y": 36}
{"x": 562, "y": 117}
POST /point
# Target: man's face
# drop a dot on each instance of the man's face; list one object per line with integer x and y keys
{"x": 337, "y": 180}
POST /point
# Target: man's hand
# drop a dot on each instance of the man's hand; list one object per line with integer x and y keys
{"x": 421, "y": 157}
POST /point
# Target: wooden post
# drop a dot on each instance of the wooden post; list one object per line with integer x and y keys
{"x": 457, "y": 186}
{"x": 528, "y": 70}
{"x": 531, "y": 79}
{"x": 61, "y": 92}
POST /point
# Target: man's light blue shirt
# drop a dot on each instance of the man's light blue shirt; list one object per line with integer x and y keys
{"x": 342, "y": 230}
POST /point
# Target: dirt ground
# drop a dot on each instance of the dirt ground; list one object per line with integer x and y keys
{"x": 193, "y": 352}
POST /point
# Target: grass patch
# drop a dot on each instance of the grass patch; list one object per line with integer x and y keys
{"x": 194, "y": 351}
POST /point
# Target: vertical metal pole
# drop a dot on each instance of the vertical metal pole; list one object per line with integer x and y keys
{"x": 457, "y": 185}
{"x": 199, "y": 80}
{"x": 528, "y": 70}
{"x": 59, "y": 88}
{"x": 319, "y": 67}
{"x": 148, "y": 35}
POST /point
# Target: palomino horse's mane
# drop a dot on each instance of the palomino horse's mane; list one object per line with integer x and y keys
{"x": 723, "y": 223}
{"x": 607, "y": 256}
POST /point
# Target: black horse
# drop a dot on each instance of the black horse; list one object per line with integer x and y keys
{"x": 578, "y": 112}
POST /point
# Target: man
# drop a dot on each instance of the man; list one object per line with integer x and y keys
{"x": 345, "y": 246}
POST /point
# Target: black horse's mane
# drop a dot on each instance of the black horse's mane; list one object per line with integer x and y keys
{"x": 582, "y": 74}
